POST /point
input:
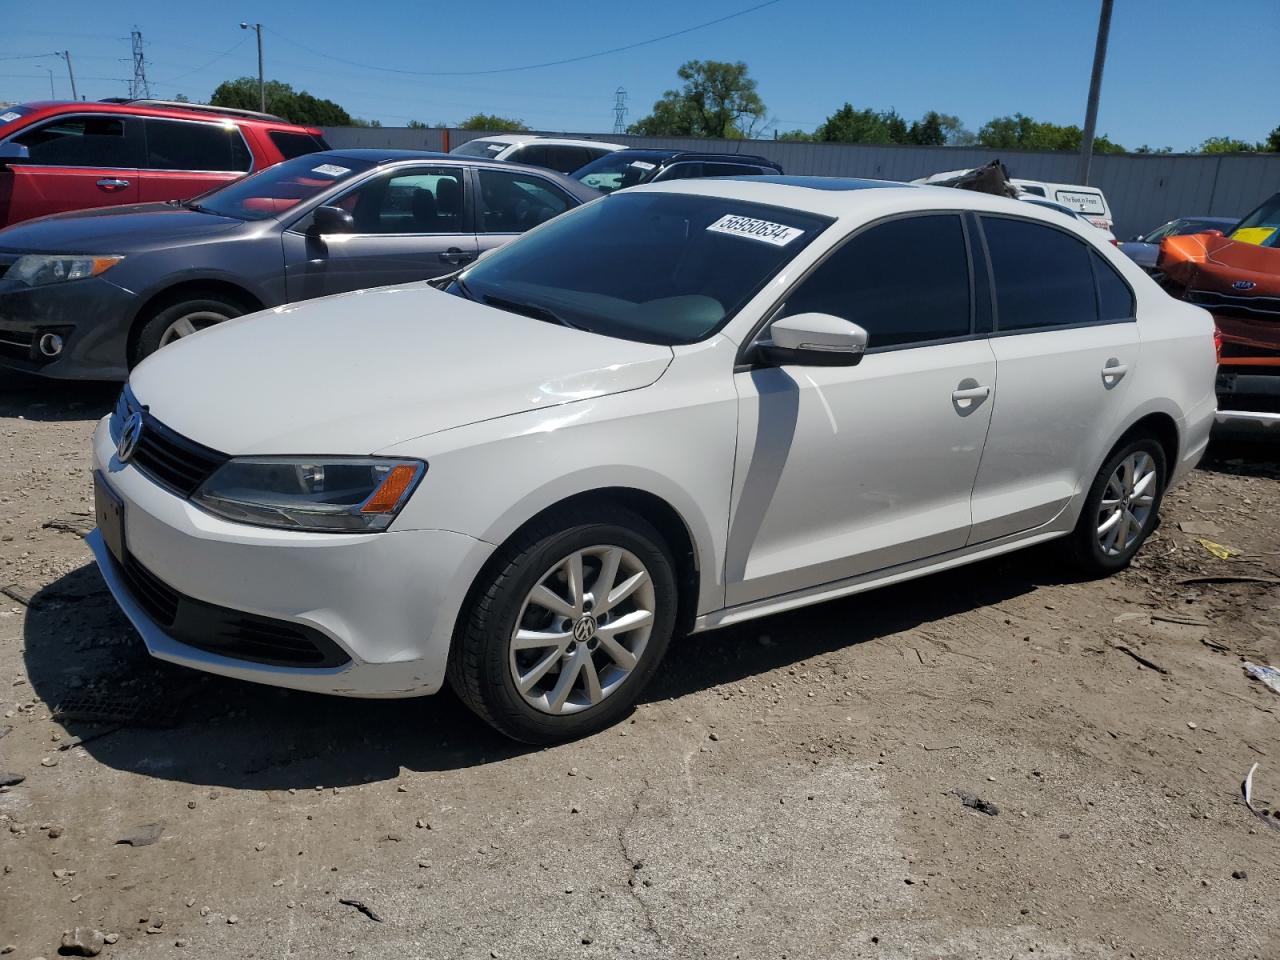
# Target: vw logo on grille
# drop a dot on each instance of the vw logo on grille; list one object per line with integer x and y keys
{"x": 129, "y": 435}
{"x": 584, "y": 629}
{"x": 1243, "y": 285}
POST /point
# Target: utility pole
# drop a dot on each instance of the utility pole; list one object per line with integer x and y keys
{"x": 66, "y": 55}
{"x": 52, "y": 94}
{"x": 139, "y": 89}
{"x": 1095, "y": 87}
{"x": 262, "y": 87}
{"x": 619, "y": 110}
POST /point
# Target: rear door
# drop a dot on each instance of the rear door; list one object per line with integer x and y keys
{"x": 189, "y": 157}
{"x": 76, "y": 161}
{"x": 1066, "y": 342}
{"x": 411, "y": 223}
{"x": 509, "y": 203}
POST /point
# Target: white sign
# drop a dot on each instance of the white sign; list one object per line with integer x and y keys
{"x": 753, "y": 229}
{"x": 330, "y": 170}
{"x": 1082, "y": 201}
{"x": 641, "y": 165}
{"x": 8, "y": 117}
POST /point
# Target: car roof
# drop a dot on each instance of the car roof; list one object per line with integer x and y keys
{"x": 514, "y": 138}
{"x": 843, "y": 197}
{"x": 375, "y": 155}
{"x": 172, "y": 110}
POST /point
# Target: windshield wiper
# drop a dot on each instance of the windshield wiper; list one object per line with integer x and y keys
{"x": 535, "y": 310}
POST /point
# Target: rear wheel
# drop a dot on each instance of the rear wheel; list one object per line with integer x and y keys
{"x": 1121, "y": 508}
{"x": 182, "y": 319}
{"x": 567, "y": 628}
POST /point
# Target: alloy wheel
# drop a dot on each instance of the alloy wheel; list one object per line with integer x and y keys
{"x": 582, "y": 629}
{"x": 191, "y": 323}
{"x": 1127, "y": 502}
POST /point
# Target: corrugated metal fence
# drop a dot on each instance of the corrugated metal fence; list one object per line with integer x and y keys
{"x": 1144, "y": 190}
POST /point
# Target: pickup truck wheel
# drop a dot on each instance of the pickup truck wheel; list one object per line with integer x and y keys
{"x": 566, "y": 627}
{"x": 181, "y": 319}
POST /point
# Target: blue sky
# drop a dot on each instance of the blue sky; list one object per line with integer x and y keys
{"x": 1176, "y": 72}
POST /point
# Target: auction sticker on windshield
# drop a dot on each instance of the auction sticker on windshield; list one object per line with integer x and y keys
{"x": 330, "y": 170}
{"x": 739, "y": 226}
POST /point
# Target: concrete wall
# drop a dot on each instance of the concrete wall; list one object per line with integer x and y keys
{"x": 1144, "y": 190}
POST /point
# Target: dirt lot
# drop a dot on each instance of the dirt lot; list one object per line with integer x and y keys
{"x": 791, "y": 788}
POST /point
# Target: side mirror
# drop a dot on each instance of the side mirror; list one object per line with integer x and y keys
{"x": 814, "y": 340}
{"x": 14, "y": 151}
{"x": 331, "y": 220}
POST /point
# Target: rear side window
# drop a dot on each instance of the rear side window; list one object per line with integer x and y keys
{"x": 730, "y": 170}
{"x": 84, "y": 142}
{"x": 515, "y": 202}
{"x": 1043, "y": 277}
{"x": 534, "y": 154}
{"x": 293, "y": 145}
{"x": 1115, "y": 299}
{"x": 905, "y": 281}
{"x": 681, "y": 171}
{"x": 181, "y": 145}
{"x": 566, "y": 159}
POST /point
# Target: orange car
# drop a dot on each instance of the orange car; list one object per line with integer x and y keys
{"x": 1237, "y": 279}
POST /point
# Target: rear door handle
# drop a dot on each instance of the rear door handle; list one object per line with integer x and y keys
{"x": 112, "y": 183}
{"x": 971, "y": 393}
{"x": 455, "y": 255}
{"x": 1113, "y": 372}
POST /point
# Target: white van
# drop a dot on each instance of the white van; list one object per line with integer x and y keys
{"x": 1086, "y": 201}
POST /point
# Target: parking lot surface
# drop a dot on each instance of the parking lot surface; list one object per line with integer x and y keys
{"x": 992, "y": 762}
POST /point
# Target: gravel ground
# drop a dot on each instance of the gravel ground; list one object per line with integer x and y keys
{"x": 991, "y": 762}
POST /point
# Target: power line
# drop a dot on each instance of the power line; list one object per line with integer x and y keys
{"x": 528, "y": 66}
{"x": 204, "y": 66}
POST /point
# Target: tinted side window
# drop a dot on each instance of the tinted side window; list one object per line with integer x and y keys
{"x": 1042, "y": 276}
{"x": 515, "y": 202}
{"x": 84, "y": 142}
{"x": 1115, "y": 299}
{"x": 566, "y": 159}
{"x": 420, "y": 200}
{"x": 904, "y": 281}
{"x": 177, "y": 145}
{"x": 293, "y": 145}
{"x": 681, "y": 171}
{"x": 730, "y": 170}
{"x": 534, "y": 154}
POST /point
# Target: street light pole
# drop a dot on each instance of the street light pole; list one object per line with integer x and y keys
{"x": 66, "y": 55}
{"x": 52, "y": 94}
{"x": 1095, "y": 87}
{"x": 262, "y": 88}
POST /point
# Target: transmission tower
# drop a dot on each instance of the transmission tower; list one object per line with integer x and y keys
{"x": 619, "y": 110}
{"x": 138, "y": 87}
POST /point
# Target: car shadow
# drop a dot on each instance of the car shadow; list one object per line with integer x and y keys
{"x": 191, "y": 727}
{"x": 1244, "y": 452}
{"x": 37, "y": 398}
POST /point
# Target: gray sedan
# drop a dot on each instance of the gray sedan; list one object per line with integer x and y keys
{"x": 89, "y": 294}
{"x": 1144, "y": 250}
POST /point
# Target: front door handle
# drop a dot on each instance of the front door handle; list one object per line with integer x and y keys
{"x": 455, "y": 255}
{"x": 968, "y": 396}
{"x": 112, "y": 183}
{"x": 1113, "y": 372}
{"x": 970, "y": 393}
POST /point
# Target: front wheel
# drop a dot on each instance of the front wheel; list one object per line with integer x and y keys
{"x": 1121, "y": 508}
{"x": 567, "y": 628}
{"x": 182, "y": 319}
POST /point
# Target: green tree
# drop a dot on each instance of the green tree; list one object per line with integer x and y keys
{"x": 848, "y": 125}
{"x": 1147, "y": 148}
{"x": 282, "y": 100}
{"x": 1227, "y": 145}
{"x": 957, "y": 134}
{"x": 1020, "y": 132}
{"x": 416, "y": 125}
{"x": 492, "y": 123}
{"x": 1273, "y": 140}
{"x": 794, "y": 135}
{"x": 928, "y": 130}
{"x": 718, "y": 99}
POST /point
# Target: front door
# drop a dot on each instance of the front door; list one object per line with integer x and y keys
{"x": 1067, "y": 347}
{"x": 410, "y": 224}
{"x": 76, "y": 162}
{"x": 845, "y": 470}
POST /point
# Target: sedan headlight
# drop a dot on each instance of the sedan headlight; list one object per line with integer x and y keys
{"x": 326, "y": 494}
{"x": 36, "y": 269}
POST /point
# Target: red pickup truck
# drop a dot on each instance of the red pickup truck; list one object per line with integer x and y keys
{"x": 68, "y": 155}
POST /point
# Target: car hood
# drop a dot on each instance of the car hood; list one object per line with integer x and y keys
{"x": 355, "y": 373}
{"x": 114, "y": 229}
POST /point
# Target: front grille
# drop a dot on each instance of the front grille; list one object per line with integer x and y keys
{"x": 227, "y": 632}
{"x": 1248, "y": 307}
{"x": 165, "y": 455}
{"x": 16, "y": 343}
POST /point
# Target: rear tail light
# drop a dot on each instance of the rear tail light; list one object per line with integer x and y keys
{"x": 1217, "y": 344}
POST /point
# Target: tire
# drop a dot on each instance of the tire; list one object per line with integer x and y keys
{"x": 485, "y": 660}
{"x": 1099, "y": 555}
{"x": 198, "y": 311}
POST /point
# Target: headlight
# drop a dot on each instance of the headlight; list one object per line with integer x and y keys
{"x": 38, "y": 269}
{"x": 327, "y": 495}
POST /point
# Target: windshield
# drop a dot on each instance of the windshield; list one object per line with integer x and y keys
{"x": 11, "y": 113}
{"x": 663, "y": 268}
{"x": 480, "y": 148}
{"x": 277, "y": 189}
{"x": 613, "y": 172}
{"x": 1260, "y": 227}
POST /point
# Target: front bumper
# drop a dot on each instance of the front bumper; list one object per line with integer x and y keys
{"x": 389, "y": 601}
{"x": 91, "y": 316}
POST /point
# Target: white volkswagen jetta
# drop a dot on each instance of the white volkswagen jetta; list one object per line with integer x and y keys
{"x": 678, "y": 407}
